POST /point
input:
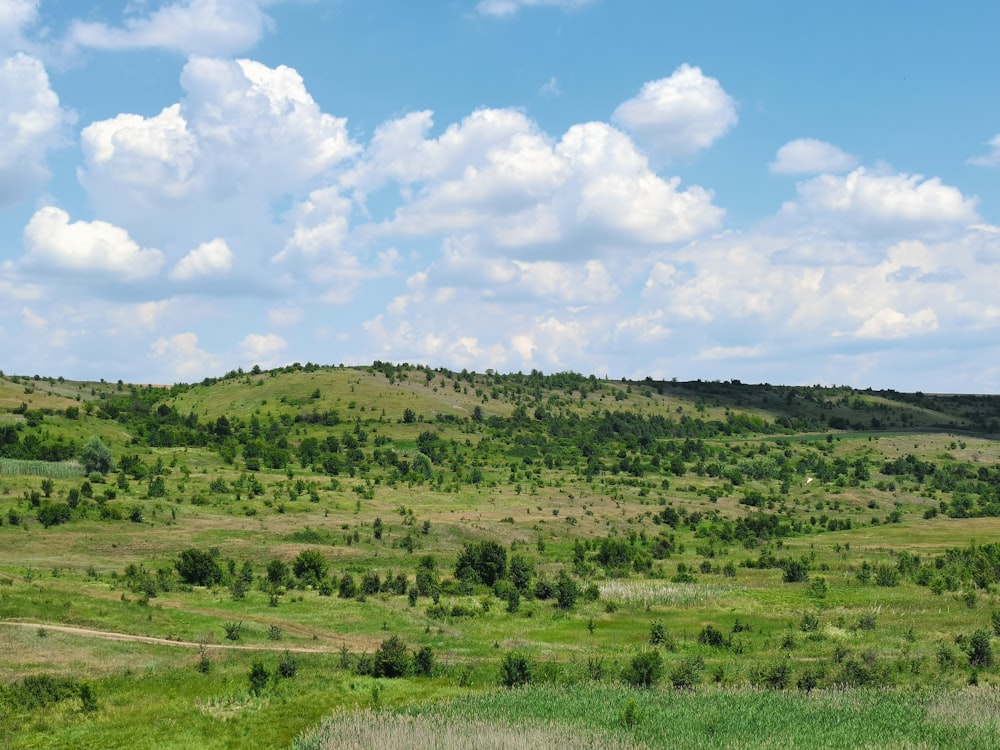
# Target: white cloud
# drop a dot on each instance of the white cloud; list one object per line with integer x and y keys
{"x": 550, "y": 87}
{"x": 892, "y": 324}
{"x": 811, "y": 156}
{"x": 96, "y": 247}
{"x": 154, "y": 159}
{"x": 872, "y": 203}
{"x": 31, "y": 123}
{"x": 208, "y": 259}
{"x": 680, "y": 115}
{"x": 182, "y": 357}
{"x": 190, "y": 27}
{"x": 15, "y": 16}
{"x": 506, "y": 8}
{"x": 496, "y": 175}
{"x": 992, "y": 159}
{"x": 262, "y": 349}
{"x": 284, "y": 316}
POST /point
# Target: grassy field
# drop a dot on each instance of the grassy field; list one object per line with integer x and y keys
{"x": 774, "y": 566}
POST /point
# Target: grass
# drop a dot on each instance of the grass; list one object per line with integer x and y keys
{"x": 553, "y": 717}
{"x": 535, "y": 497}
{"x": 45, "y": 469}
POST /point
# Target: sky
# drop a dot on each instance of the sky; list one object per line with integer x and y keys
{"x": 775, "y": 191}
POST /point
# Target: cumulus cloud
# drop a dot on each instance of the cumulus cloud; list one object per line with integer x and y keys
{"x": 99, "y": 248}
{"x": 892, "y": 324}
{"x": 866, "y": 202}
{"x": 679, "y": 115}
{"x": 262, "y": 349}
{"x": 15, "y": 17}
{"x": 208, "y": 259}
{"x": 182, "y": 357}
{"x": 151, "y": 160}
{"x": 507, "y": 8}
{"x": 31, "y": 124}
{"x": 498, "y": 176}
{"x": 992, "y": 159}
{"x": 811, "y": 156}
{"x": 189, "y": 27}
{"x": 242, "y": 129}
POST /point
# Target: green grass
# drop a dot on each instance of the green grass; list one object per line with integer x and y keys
{"x": 588, "y": 716}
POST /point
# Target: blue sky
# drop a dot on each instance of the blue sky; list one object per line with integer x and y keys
{"x": 779, "y": 192}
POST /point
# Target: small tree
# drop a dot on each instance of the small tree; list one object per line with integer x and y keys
{"x": 258, "y": 677}
{"x": 96, "y": 456}
{"x": 979, "y": 649}
{"x": 309, "y": 566}
{"x": 198, "y": 568}
{"x": 391, "y": 659}
{"x": 515, "y": 669}
{"x": 645, "y": 669}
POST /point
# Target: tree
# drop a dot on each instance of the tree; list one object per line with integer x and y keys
{"x": 96, "y": 456}
{"x": 258, "y": 677}
{"x": 198, "y": 568}
{"x": 391, "y": 659}
{"x": 309, "y": 566}
{"x": 515, "y": 669}
{"x": 277, "y": 572}
{"x": 979, "y": 649}
{"x": 645, "y": 669}
{"x": 482, "y": 562}
{"x": 566, "y": 591}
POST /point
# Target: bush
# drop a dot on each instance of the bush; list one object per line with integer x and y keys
{"x": 515, "y": 670}
{"x": 391, "y": 659}
{"x": 423, "y": 661}
{"x": 687, "y": 673}
{"x": 259, "y": 677}
{"x": 199, "y": 568}
{"x": 96, "y": 456}
{"x": 482, "y": 562}
{"x": 309, "y": 566}
{"x": 288, "y": 666}
{"x": 711, "y": 636}
{"x": 979, "y": 649}
{"x": 645, "y": 669}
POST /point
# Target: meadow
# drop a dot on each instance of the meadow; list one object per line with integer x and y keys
{"x": 391, "y": 552}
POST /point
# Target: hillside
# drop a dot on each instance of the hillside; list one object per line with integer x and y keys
{"x": 736, "y": 535}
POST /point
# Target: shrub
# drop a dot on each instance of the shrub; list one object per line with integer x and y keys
{"x": 199, "y": 568}
{"x": 96, "y": 456}
{"x": 566, "y": 591}
{"x": 711, "y": 636}
{"x": 423, "y": 661}
{"x": 644, "y": 670}
{"x": 258, "y": 677}
{"x": 687, "y": 673}
{"x": 515, "y": 670}
{"x": 391, "y": 659}
{"x": 309, "y": 566}
{"x": 979, "y": 649}
{"x": 288, "y": 665}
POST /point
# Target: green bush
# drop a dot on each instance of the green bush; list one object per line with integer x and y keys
{"x": 391, "y": 659}
{"x": 515, "y": 670}
{"x": 644, "y": 670}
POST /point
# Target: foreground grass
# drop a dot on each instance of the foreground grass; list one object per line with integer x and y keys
{"x": 613, "y": 716}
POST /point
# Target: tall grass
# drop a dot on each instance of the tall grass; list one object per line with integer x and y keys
{"x": 614, "y": 716}
{"x": 647, "y": 593}
{"x": 371, "y": 730}
{"x": 45, "y": 469}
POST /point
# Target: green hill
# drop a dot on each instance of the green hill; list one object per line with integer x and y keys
{"x": 461, "y": 529}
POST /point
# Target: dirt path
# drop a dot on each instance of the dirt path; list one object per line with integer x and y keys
{"x": 111, "y": 636}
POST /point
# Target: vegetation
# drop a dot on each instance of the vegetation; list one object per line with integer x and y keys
{"x": 468, "y": 547}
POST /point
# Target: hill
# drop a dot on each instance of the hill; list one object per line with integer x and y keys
{"x": 462, "y": 529}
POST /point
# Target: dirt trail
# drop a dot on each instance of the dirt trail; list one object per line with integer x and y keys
{"x": 108, "y": 635}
